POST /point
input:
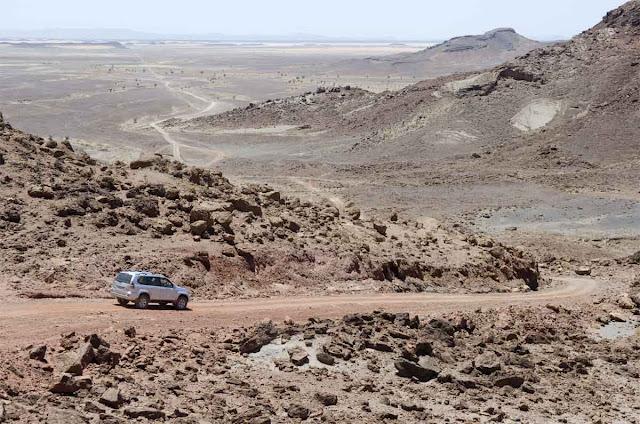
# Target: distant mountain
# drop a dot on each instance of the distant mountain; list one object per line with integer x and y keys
{"x": 498, "y": 40}
{"x": 460, "y": 54}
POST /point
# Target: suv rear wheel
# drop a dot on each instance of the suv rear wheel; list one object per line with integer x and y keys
{"x": 142, "y": 302}
{"x": 181, "y": 303}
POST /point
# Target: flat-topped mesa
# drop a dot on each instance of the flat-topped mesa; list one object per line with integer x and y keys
{"x": 497, "y": 30}
{"x": 500, "y": 38}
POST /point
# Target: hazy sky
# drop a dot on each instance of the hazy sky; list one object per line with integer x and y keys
{"x": 403, "y": 19}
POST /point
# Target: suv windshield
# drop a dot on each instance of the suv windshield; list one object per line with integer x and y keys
{"x": 123, "y": 278}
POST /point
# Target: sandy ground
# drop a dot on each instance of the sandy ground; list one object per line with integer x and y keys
{"x": 95, "y": 96}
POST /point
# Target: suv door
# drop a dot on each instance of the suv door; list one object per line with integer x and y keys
{"x": 168, "y": 292}
{"x": 152, "y": 287}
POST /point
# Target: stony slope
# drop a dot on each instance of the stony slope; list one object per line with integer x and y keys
{"x": 70, "y": 223}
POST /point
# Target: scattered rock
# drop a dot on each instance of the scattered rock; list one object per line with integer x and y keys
{"x": 112, "y": 398}
{"x": 380, "y": 228}
{"x": 264, "y": 333}
{"x": 142, "y": 163}
{"x": 514, "y": 381}
{"x": 147, "y": 206}
{"x": 299, "y": 357}
{"x": 327, "y": 399}
{"x": 198, "y": 228}
{"x": 423, "y": 348}
{"x": 325, "y": 358}
{"x": 617, "y": 317}
{"x": 68, "y": 384}
{"x": 487, "y": 363}
{"x": 583, "y": 270}
{"x": 38, "y": 353}
{"x": 130, "y": 332}
{"x": 409, "y": 369}
{"x": 144, "y": 412}
{"x": 298, "y": 411}
{"x": 40, "y": 192}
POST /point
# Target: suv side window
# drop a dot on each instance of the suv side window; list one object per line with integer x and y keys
{"x": 148, "y": 281}
{"x": 166, "y": 283}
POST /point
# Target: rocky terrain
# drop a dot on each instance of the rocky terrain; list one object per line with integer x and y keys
{"x": 477, "y": 345}
{"x": 510, "y": 365}
{"x": 70, "y": 224}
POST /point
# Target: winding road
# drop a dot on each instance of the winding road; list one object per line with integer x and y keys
{"x": 28, "y": 321}
{"x": 173, "y": 143}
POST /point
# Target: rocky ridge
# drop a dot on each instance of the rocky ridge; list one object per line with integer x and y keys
{"x": 71, "y": 223}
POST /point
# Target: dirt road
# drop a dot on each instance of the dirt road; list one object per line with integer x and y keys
{"x": 198, "y": 111}
{"x": 24, "y": 322}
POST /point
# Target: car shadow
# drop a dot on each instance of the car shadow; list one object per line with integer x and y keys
{"x": 154, "y": 307}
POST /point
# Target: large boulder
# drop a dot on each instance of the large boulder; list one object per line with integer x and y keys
{"x": 41, "y": 192}
{"x": 144, "y": 412}
{"x": 145, "y": 162}
{"x": 198, "y": 228}
{"x": 298, "y": 411}
{"x": 422, "y": 371}
{"x": 147, "y": 206}
{"x": 487, "y": 363}
{"x": 264, "y": 333}
{"x": 299, "y": 356}
{"x": 112, "y": 398}
{"x": 204, "y": 211}
{"x": 68, "y": 384}
{"x": 245, "y": 205}
{"x": 164, "y": 227}
{"x": 38, "y": 353}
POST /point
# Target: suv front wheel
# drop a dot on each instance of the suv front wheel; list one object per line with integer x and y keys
{"x": 142, "y": 302}
{"x": 181, "y": 303}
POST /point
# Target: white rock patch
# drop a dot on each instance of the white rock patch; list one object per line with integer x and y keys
{"x": 536, "y": 114}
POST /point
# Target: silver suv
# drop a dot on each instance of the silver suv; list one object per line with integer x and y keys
{"x": 143, "y": 288}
